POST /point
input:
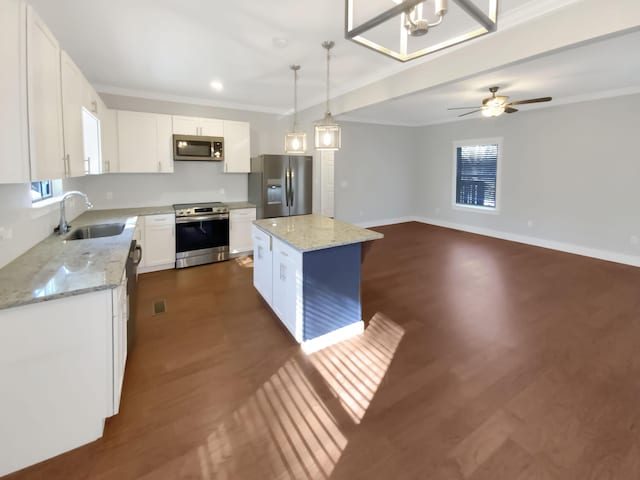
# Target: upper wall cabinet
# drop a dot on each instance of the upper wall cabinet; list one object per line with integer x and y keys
{"x": 237, "y": 146}
{"x": 74, "y": 88}
{"x": 208, "y": 127}
{"x": 44, "y": 101}
{"x": 14, "y": 146}
{"x": 144, "y": 142}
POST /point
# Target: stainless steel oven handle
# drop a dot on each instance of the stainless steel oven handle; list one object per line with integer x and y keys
{"x": 202, "y": 218}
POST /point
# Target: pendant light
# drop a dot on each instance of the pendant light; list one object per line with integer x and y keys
{"x": 328, "y": 135}
{"x": 295, "y": 142}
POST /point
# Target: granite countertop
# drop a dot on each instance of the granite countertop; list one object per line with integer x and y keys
{"x": 238, "y": 205}
{"x": 315, "y": 232}
{"x": 57, "y": 268}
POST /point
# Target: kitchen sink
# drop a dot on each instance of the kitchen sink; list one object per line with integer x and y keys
{"x": 96, "y": 231}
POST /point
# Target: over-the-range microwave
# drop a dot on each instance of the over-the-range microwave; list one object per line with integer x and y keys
{"x": 199, "y": 148}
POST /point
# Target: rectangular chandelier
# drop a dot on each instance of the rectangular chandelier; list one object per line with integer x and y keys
{"x": 408, "y": 29}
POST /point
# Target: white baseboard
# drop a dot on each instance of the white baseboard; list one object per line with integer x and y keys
{"x": 386, "y": 221}
{"x": 538, "y": 242}
{"x": 331, "y": 338}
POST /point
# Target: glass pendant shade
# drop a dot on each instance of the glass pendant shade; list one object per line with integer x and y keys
{"x": 295, "y": 142}
{"x": 328, "y": 135}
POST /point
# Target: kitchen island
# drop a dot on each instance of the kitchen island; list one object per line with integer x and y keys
{"x": 307, "y": 268}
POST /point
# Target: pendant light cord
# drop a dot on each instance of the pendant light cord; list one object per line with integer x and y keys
{"x": 328, "y": 45}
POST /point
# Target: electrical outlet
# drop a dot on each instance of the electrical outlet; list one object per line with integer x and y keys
{"x": 6, "y": 233}
{"x": 438, "y": 210}
{"x": 634, "y": 240}
{"x": 530, "y": 223}
{"x": 109, "y": 196}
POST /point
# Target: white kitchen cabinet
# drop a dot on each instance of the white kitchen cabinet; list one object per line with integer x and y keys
{"x": 159, "y": 243}
{"x": 209, "y": 127}
{"x": 56, "y": 366}
{"x": 144, "y": 142}
{"x": 108, "y": 139}
{"x": 44, "y": 99}
{"x": 240, "y": 227}
{"x": 237, "y": 147}
{"x": 262, "y": 264}
{"x": 120, "y": 314}
{"x": 14, "y": 142}
{"x": 74, "y": 87}
{"x": 287, "y": 287}
{"x": 91, "y": 143}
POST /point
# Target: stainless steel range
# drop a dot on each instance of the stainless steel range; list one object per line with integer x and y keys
{"x": 202, "y": 233}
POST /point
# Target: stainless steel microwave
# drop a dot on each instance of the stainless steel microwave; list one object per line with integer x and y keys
{"x": 199, "y": 148}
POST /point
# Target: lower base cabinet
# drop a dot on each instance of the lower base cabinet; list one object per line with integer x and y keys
{"x": 157, "y": 237}
{"x": 62, "y": 365}
{"x": 240, "y": 227}
{"x": 277, "y": 274}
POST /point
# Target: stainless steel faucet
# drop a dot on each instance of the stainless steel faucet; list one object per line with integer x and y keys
{"x": 64, "y": 227}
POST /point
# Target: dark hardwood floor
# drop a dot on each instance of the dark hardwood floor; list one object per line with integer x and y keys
{"x": 483, "y": 359}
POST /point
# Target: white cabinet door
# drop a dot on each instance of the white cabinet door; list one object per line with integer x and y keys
{"x": 237, "y": 147}
{"x": 287, "y": 287}
{"x": 186, "y": 125}
{"x": 74, "y": 87}
{"x": 164, "y": 143}
{"x": 14, "y": 147}
{"x": 262, "y": 264}
{"x": 108, "y": 139}
{"x": 211, "y": 127}
{"x": 120, "y": 306}
{"x": 144, "y": 142}
{"x": 159, "y": 240}
{"x": 44, "y": 100}
{"x": 91, "y": 135}
{"x": 240, "y": 227}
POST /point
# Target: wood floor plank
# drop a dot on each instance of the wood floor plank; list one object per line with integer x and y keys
{"x": 482, "y": 359}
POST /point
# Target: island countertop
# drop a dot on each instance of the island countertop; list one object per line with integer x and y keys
{"x": 306, "y": 233}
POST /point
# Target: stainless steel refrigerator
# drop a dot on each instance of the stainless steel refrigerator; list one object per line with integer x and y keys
{"x": 281, "y": 185}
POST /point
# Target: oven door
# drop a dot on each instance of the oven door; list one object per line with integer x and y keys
{"x": 202, "y": 239}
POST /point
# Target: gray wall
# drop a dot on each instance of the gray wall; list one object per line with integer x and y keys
{"x": 572, "y": 170}
{"x": 374, "y": 173}
{"x": 191, "y": 181}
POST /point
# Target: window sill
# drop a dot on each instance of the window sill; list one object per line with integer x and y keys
{"x": 472, "y": 208}
{"x": 44, "y": 207}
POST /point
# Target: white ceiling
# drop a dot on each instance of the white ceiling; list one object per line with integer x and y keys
{"x": 598, "y": 69}
{"x": 175, "y": 48}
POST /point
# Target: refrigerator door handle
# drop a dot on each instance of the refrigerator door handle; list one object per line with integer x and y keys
{"x": 291, "y": 185}
{"x": 286, "y": 186}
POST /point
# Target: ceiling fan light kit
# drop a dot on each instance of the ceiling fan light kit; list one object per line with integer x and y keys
{"x": 328, "y": 135}
{"x": 496, "y": 105}
{"x": 378, "y": 30}
{"x": 295, "y": 142}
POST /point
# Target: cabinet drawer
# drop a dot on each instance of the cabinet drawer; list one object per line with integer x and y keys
{"x": 283, "y": 249}
{"x": 159, "y": 220}
{"x": 243, "y": 214}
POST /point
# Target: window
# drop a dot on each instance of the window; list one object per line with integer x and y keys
{"x": 476, "y": 170}
{"x": 41, "y": 190}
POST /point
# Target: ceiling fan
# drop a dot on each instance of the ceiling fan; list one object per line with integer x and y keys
{"x": 497, "y": 104}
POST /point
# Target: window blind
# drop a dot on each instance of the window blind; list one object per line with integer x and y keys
{"x": 476, "y": 172}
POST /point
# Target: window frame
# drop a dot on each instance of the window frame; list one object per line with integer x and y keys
{"x": 454, "y": 194}
{"x": 42, "y": 199}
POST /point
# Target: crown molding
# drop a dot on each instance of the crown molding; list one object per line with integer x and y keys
{"x": 167, "y": 97}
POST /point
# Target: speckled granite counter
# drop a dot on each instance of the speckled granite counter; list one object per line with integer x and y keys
{"x": 239, "y": 205}
{"x": 57, "y": 268}
{"x": 315, "y": 232}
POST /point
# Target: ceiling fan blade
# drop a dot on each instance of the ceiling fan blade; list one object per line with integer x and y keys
{"x": 469, "y": 113}
{"x": 461, "y": 108}
{"x": 531, "y": 100}
{"x": 510, "y": 110}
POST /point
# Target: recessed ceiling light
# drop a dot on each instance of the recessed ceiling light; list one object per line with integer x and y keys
{"x": 217, "y": 86}
{"x": 280, "y": 42}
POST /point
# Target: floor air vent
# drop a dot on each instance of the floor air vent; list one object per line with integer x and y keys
{"x": 159, "y": 307}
